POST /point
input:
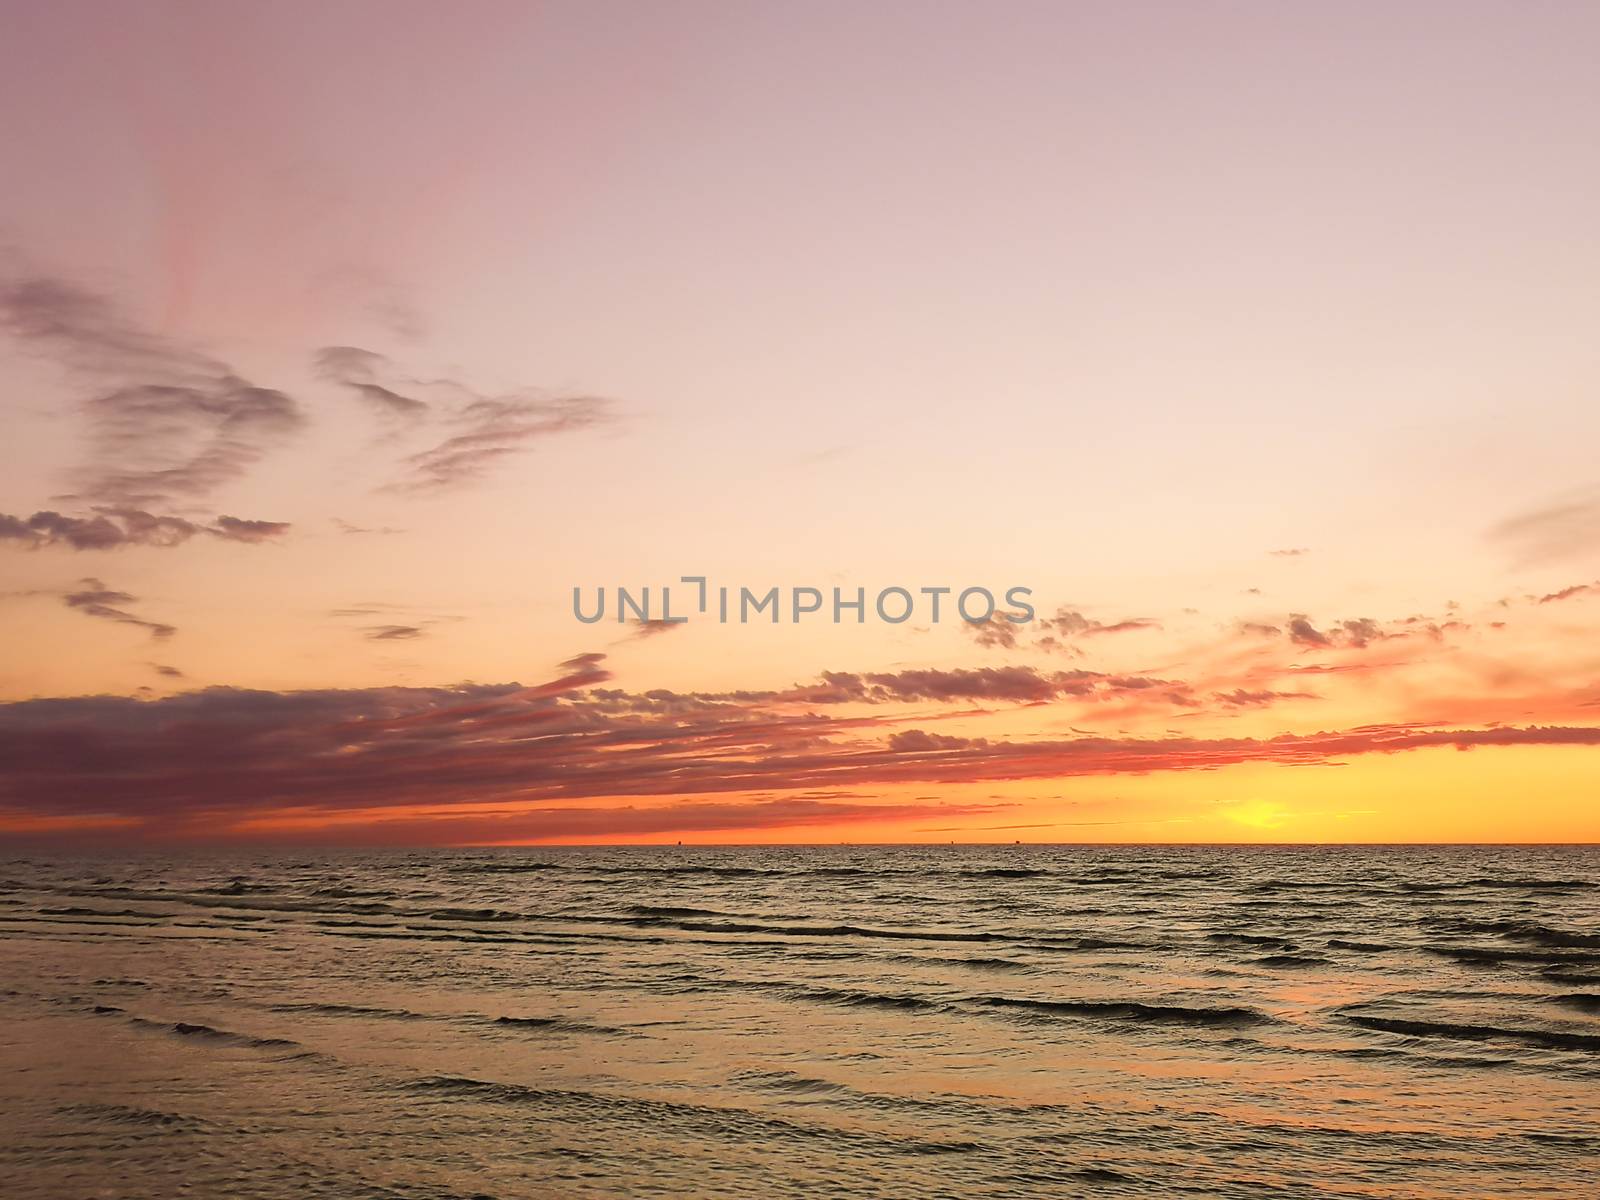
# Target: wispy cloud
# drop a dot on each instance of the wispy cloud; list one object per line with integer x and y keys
{"x": 480, "y": 430}
{"x": 95, "y": 599}
{"x": 361, "y": 371}
{"x": 167, "y": 424}
{"x": 1054, "y": 633}
{"x": 1569, "y": 593}
{"x": 1556, "y": 531}
{"x": 491, "y": 430}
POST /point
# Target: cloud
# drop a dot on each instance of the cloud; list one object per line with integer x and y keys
{"x": 393, "y": 622}
{"x": 1243, "y": 698}
{"x": 254, "y": 532}
{"x": 1357, "y": 633}
{"x": 1070, "y": 623}
{"x": 1362, "y": 631}
{"x": 1017, "y": 685}
{"x": 94, "y": 599}
{"x": 654, "y": 627}
{"x": 1296, "y": 552}
{"x": 607, "y": 823}
{"x": 1556, "y": 531}
{"x": 421, "y": 764}
{"x": 1567, "y": 593}
{"x": 1020, "y": 684}
{"x": 116, "y": 528}
{"x": 167, "y": 424}
{"x": 360, "y": 370}
{"x": 164, "y": 671}
{"x": 995, "y": 633}
{"x": 918, "y": 739}
{"x": 346, "y": 527}
{"x": 493, "y": 429}
{"x": 488, "y": 428}
{"x": 999, "y": 633}
{"x": 1303, "y": 633}
{"x": 393, "y": 633}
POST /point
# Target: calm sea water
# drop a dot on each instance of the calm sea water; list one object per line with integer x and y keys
{"x": 897, "y": 1022}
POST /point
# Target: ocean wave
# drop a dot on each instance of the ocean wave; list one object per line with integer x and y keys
{"x": 328, "y": 1009}
{"x": 507, "y": 868}
{"x": 851, "y": 998}
{"x": 1584, "y": 1001}
{"x": 121, "y": 1114}
{"x": 720, "y": 1122}
{"x": 1524, "y": 885}
{"x": 1494, "y": 954}
{"x": 560, "y": 1025}
{"x": 208, "y": 1033}
{"x": 1251, "y": 939}
{"x": 1129, "y": 1010}
{"x": 1521, "y": 931}
{"x": 1548, "y": 1038}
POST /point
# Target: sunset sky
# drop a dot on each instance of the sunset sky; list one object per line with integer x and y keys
{"x": 341, "y": 342}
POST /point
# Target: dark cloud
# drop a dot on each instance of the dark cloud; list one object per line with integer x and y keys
{"x": 94, "y": 599}
{"x": 1303, "y": 633}
{"x": 1023, "y": 684}
{"x": 211, "y": 763}
{"x": 165, "y": 671}
{"x": 115, "y": 528}
{"x": 1017, "y": 685}
{"x": 1292, "y": 553}
{"x": 1357, "y": 633}
{"x": 167, "y": 425}
{"x": 393, "y": 633}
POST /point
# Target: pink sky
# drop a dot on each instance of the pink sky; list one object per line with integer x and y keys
{"x": 1117, "y": 302}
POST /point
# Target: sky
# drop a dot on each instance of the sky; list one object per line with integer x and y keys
{"x": 339, "y": 344}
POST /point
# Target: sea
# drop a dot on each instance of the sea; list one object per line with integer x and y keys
{"x": 841, "y": 1021}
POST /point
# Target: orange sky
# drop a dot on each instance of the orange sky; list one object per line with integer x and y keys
{"x": 1259, "y": 344}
